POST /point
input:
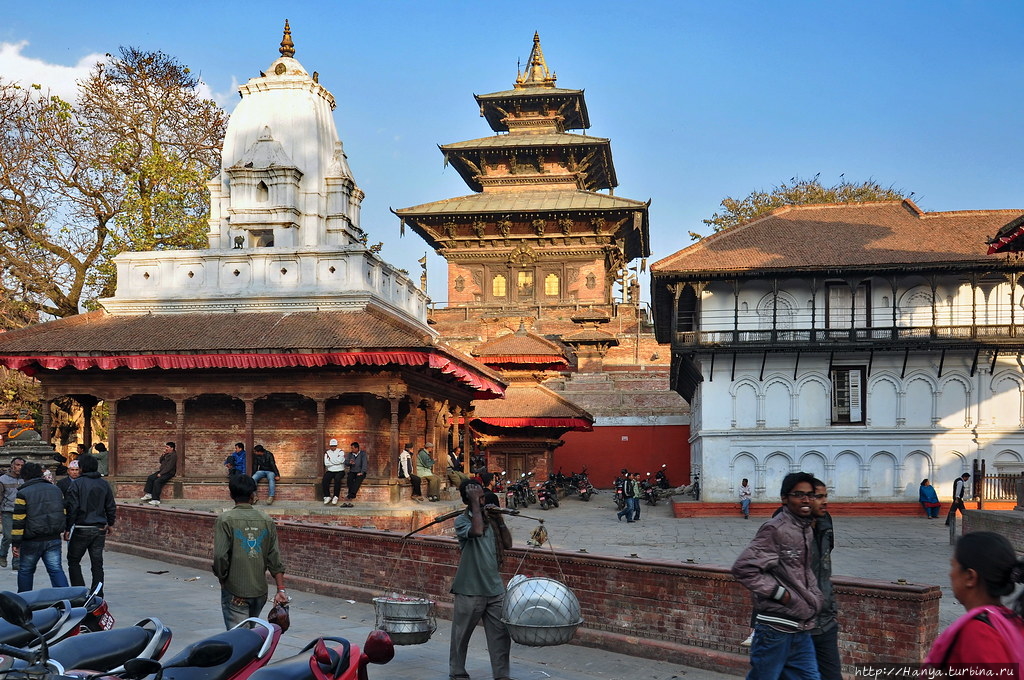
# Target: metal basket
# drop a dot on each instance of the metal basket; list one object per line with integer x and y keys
{"x": 403, "y": 608}
{"x": 407, "y": 620}
{"x": 540, "y": 612}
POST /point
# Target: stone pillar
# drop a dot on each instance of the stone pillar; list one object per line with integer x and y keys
{"x": 396, "y": 436}
{"x": 112, "y": 437}
{"x": 250, "y": 434}
{"x": 87, "y": 404}
{"x": 179, "y": 437}
{"x": 46, "y": 419}
{"x": 321, "y": 435}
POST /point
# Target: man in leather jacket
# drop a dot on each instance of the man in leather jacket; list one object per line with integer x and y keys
{"x": 38, "y": 525}
{"x": 778, "y": 568}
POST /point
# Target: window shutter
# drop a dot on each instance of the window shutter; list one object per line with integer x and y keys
{"x": 855, "y": 394}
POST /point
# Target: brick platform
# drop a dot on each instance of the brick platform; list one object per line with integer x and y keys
{"x": 692, "y": 614}
{"x": 684, "y": 509}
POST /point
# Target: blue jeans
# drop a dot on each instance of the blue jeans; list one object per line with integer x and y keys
{"x": 745, "y": 506}
{"x": 31, "y": 552}
{"x": 238, "y": 609}
{"x": 265, "y": 474}
{"x": 636, "y": 508}
{"x": 787, "y": 656}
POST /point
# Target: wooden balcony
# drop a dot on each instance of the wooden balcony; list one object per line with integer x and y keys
{"x": 998, "y": 336}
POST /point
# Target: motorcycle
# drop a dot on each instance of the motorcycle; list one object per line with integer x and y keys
{"x": 547, "y": 494}
{"x": 691, "y": 489}
{"x": 98, "y": 616}
{"x": 582, "y": 484}
{"x": 648, "y": 491}
{"x": 660, "y": 479}
{"x": 57, "y": 623}
{"x": 232, "y": 655}
{"x": 340, "y": 661}
{"x": 620, "y": 492}
{"x": 104, "y": 651}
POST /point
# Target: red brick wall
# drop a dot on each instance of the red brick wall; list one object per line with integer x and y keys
{"x": 1008, "y": 523}
{"x": 690, "y": 614}
{"x": 604, "y": 452}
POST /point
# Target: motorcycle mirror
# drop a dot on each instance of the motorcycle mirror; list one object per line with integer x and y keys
{"x": 14, "y": 609}
{"x": 378, "y": 647}
{"x": 140, "y": 668}
{"x": 664, "y": 465}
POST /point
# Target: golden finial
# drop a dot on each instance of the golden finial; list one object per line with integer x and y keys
{"x": 536, "y": 73}
{"x": 287, "y": 46}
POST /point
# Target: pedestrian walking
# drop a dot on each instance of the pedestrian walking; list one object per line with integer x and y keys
{"x": 989, "y": 638}
{"x": 10, "y": 482}
{"x": 959, "y": 489}
{"x": 39, "y": 522}
{"x": 244, "y": 550}
{"x": 91, "y": 512}
{"x": 478, "y": 589}
{"x": 778, "y": 568}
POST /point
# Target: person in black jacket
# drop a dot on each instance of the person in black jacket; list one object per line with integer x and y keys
{"x": 38, "y": 524}
{"x": 90, "y": 517}
{"x": 265, "y": 467}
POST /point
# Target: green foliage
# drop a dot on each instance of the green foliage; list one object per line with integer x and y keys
{"x": 122, "y": 168}
{"x": 797, "y": 191}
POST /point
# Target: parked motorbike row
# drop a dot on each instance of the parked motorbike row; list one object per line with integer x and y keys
{"x": 522, "y": 492}
{"x": 68, "y": 634}
{"x": 654, "y": 488}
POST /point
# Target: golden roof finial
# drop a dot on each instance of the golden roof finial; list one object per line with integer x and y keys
{"x": 536, "y": 73}
{"x": 287, "y": 46}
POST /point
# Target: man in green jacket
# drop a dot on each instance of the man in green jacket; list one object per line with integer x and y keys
{"x": 425, "y": 471}
{"x": 244, "y": 549}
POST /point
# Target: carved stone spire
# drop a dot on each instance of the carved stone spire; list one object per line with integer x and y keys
{"x": 287, "y": 46}
{"x": 536, "y": 73}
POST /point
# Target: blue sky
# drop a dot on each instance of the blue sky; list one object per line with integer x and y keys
{"x": 701, "y": 100}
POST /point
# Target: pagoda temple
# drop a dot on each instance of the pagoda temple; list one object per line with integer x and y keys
{"x": 288, "y": 331}
{"x": 543, "y": 240}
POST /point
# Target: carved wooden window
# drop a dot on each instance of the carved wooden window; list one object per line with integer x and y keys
{"x": 499, "y": 286}
{"x": 524, "y": 284}
{"x": 552, "y": 285}
{"x": 262, "y": 193}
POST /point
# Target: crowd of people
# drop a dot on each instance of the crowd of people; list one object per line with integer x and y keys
{"x": 39, "y": 514}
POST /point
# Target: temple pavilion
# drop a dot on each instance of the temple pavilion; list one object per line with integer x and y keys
{"x": 287, "y": 331}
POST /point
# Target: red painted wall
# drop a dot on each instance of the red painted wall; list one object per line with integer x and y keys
{"x": 605, "y": 452}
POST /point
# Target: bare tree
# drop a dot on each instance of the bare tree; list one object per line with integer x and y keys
{"x": 124, "y": 168}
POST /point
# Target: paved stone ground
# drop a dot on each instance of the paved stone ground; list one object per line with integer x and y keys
{"x": 187, "y": 600}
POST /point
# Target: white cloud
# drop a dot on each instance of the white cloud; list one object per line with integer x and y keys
{"x": 55, "y": 78}
{"x": 63, "y": 80}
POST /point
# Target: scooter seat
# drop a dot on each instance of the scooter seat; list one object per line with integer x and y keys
{"x": 48, "y": 597}
{"x": 245, "y": 645}
{"x": 103, "y": 650}
{"x": 44, "y": 620}
{"x": 297, "y": 667}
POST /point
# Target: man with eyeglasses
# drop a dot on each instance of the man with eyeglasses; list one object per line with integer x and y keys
{"x": 778, "y": 568}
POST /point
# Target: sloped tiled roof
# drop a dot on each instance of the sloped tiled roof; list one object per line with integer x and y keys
{"x": 520, "y": 343}
{"x": 368, "y": 336}
{"x": 100, "y": 332}
{"x": 890, "y": 233}
{"x": 527, "y": 141}
{"x": 523, "y": 201}
{"x": 529, "y": 400}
